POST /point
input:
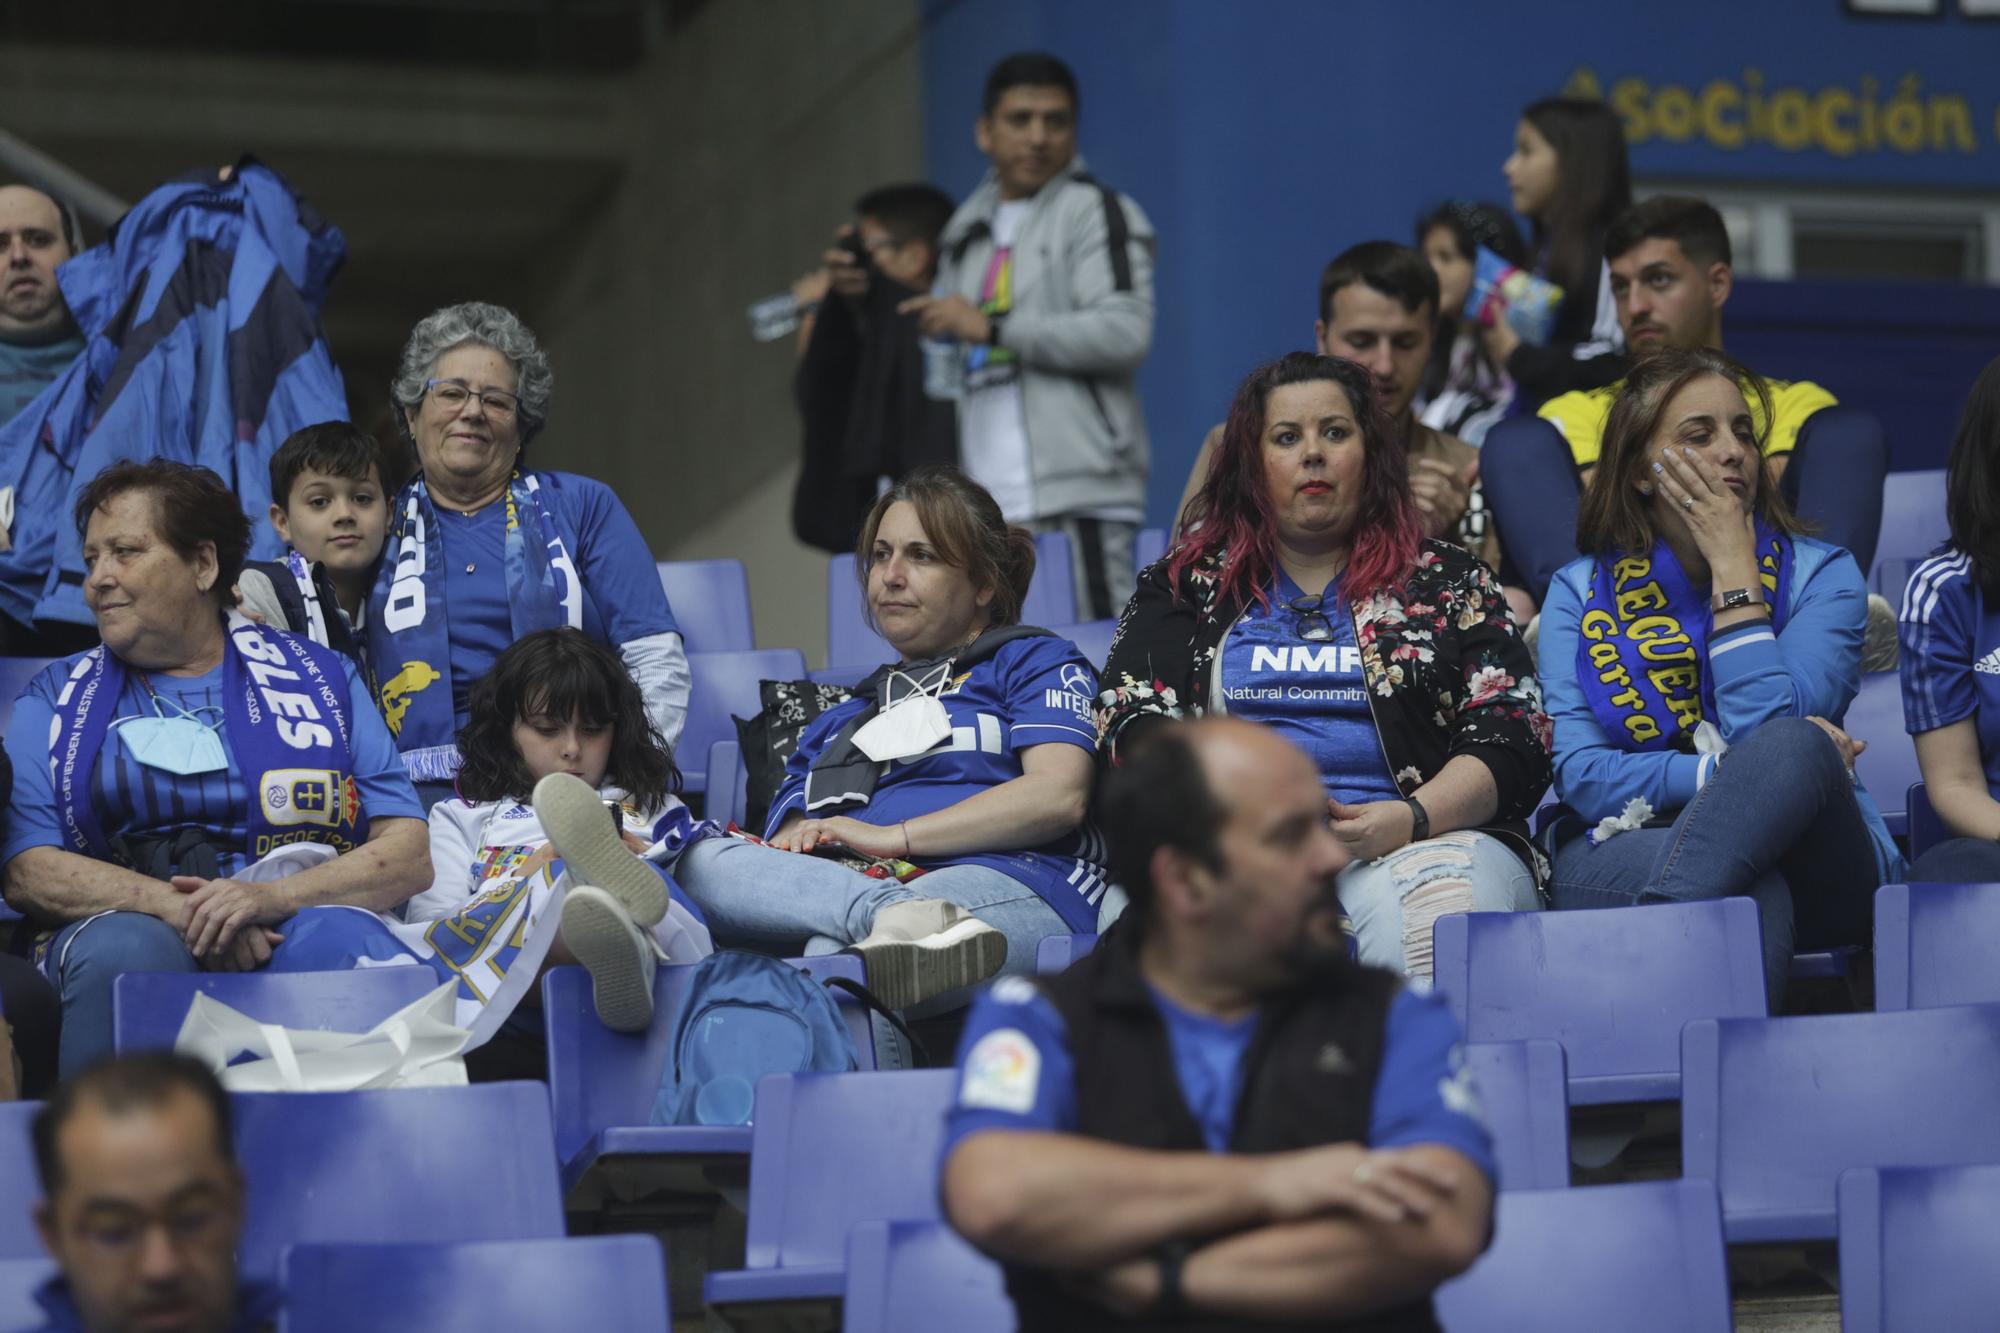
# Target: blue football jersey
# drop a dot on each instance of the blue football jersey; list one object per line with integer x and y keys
{"x": 1033, "y": 691}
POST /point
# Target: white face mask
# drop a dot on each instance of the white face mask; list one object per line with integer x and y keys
{"x": 911, "y": 724}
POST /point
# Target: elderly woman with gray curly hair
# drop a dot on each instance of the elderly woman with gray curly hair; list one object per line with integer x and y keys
{"x": 483, "y": 551}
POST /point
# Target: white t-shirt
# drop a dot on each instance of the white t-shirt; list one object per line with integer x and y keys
{"x": 474, "y": 847}
{"x": 993, "y": 429}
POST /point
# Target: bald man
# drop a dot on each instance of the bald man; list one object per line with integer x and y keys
{"x": 1216, "y": 1119}
{"x": 38, "y": 339}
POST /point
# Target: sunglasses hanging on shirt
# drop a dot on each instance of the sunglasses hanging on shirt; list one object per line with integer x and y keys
{"x": 1313, "y": 625}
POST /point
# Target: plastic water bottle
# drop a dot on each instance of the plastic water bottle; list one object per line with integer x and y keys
{"x": 774, "y": 317}
{"x": 944, "y": 364}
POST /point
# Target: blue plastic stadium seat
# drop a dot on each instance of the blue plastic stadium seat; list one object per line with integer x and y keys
{"x": 477, "y": 1288}
{"x": 1927, "y": 830}
{"x": 711, "y": 603}
{"x": 396, "y": 1166}
{"x": 728, "y": 784}
{"x": 920, "y": 1277}
{"x": 19, "y": 1278}
{"x": 1092, "y": 638}
{"x": 1889, "y": 765}
{"x": 1640, "y": 1258}
{"x": 1613, "y": 986}
{"x": 1774, "y": 1109}
{"x": 829, "y": 1150}
{"x": 1056, "y": 952}
{"x": 1051, "y": 600}
{"x": 726, "y": 688}
{"x": 15, "y": 673}
{"x": 1913, "y": 522}
{"x": 850, "y": 675}
{"x": 602, "y": 1083}
{"x": 18, "y": 1187}
{"x": 1916, "y": 1248}
{"x": 1149, "y": 546}
{"x": 147, "y": 1007}
{"x": 1935, "y": 945}
{"x": 1526, "y": 1105}
{"x": 848, "y": 638}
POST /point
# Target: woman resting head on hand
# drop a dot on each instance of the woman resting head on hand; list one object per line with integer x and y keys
{"x": 1700, "y": 658}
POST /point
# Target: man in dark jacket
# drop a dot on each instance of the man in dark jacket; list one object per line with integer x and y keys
{"x": 860, "y": 380}
{"x": 1216, "y": 1120}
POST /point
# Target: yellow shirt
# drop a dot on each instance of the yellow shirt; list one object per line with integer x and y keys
{"x": 1580, "y": 416}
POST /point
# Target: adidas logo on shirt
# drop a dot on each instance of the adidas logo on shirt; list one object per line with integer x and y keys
{"x": 1990, "y": 664}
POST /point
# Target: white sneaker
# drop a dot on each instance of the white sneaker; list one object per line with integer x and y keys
{"x": 916, "y": 950}
{"x": 573, "y": 816}
{"x": 620, "y": 957}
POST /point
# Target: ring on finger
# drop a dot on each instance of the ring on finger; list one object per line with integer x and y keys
{"x": 1687, "y": 502}
{"x": 1362, "y": 1172}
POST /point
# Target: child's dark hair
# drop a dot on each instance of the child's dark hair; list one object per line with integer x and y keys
{"x": 337, "y": 448}
{"x": 559, "y": 674}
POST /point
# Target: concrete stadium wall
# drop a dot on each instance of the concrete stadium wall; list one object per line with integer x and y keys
{"x": 750, "y": 135}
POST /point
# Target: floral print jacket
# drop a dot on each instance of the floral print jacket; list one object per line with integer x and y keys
{"x": 1446, "y": 672}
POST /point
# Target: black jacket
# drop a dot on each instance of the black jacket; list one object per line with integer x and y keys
{"x": 1308, "y": 1080}
{"x": 860, "y": 393}
{"x": 1446, "y": 673}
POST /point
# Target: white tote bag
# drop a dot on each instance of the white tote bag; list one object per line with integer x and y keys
{"x": 419, "y": 1046}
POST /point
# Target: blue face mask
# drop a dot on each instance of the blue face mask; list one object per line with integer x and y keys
{"x": 183, "y": 745}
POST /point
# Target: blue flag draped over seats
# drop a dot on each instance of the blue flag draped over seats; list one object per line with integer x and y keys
{"x": 200, "y": 314}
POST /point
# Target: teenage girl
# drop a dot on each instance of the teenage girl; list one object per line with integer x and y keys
{"x": 1569, "y": 178}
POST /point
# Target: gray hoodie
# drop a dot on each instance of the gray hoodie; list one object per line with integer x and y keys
{"x": 1080, "y": 324}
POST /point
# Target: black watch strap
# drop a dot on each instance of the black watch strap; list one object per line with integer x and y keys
{"x": 994, "y": 323}
{"x": 1420, "y": 827}
{"x": 1170, "y": 1259}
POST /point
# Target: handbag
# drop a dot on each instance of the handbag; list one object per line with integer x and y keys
{"x": 418, "y": 1046}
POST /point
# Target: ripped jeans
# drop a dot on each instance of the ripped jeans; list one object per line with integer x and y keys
{"x": 1395, "y": 900}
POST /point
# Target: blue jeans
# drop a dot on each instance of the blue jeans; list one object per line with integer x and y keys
{"x": 1777, "y": 823}
{"x": 1395, "y": 900}
{"x": 780, "y": 902}
{"x": 1958, "y": 861}
{"x": 1834, "y": 480}
{"x": 87, "y": 956}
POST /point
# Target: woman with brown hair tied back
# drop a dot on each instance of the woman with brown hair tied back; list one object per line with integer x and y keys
{"x": 1700, "y": 658}
{"x": 968, "y": 760}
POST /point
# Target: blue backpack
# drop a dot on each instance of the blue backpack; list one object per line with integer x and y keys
{"x": 749, "y": 1015}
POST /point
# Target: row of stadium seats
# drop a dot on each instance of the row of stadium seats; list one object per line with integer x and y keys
{"x": 468, "y": 1287}
{"x": 1637, "y": 1005}
{"x": 1646, "y": 1257}
{"x": 1773, "y": 1110}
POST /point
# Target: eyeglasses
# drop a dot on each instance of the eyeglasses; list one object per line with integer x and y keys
{"x": 1314, "y": 627}
{"x": 452, "y": 395}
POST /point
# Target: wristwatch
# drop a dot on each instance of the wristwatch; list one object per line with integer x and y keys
{"x": 994, "y": 324}
{"x": 1734, "y": 598}
{"x": 1420, "y": 826}
{"x": 1169, "y": 1258}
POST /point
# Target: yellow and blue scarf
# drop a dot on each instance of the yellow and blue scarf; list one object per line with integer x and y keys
{"x": 1642, "y": 643}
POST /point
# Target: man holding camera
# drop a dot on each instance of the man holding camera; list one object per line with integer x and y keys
{"x": 860, "y": 379}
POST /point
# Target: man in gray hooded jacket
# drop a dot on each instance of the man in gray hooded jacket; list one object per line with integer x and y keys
{"x": 1046, "y": 284}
